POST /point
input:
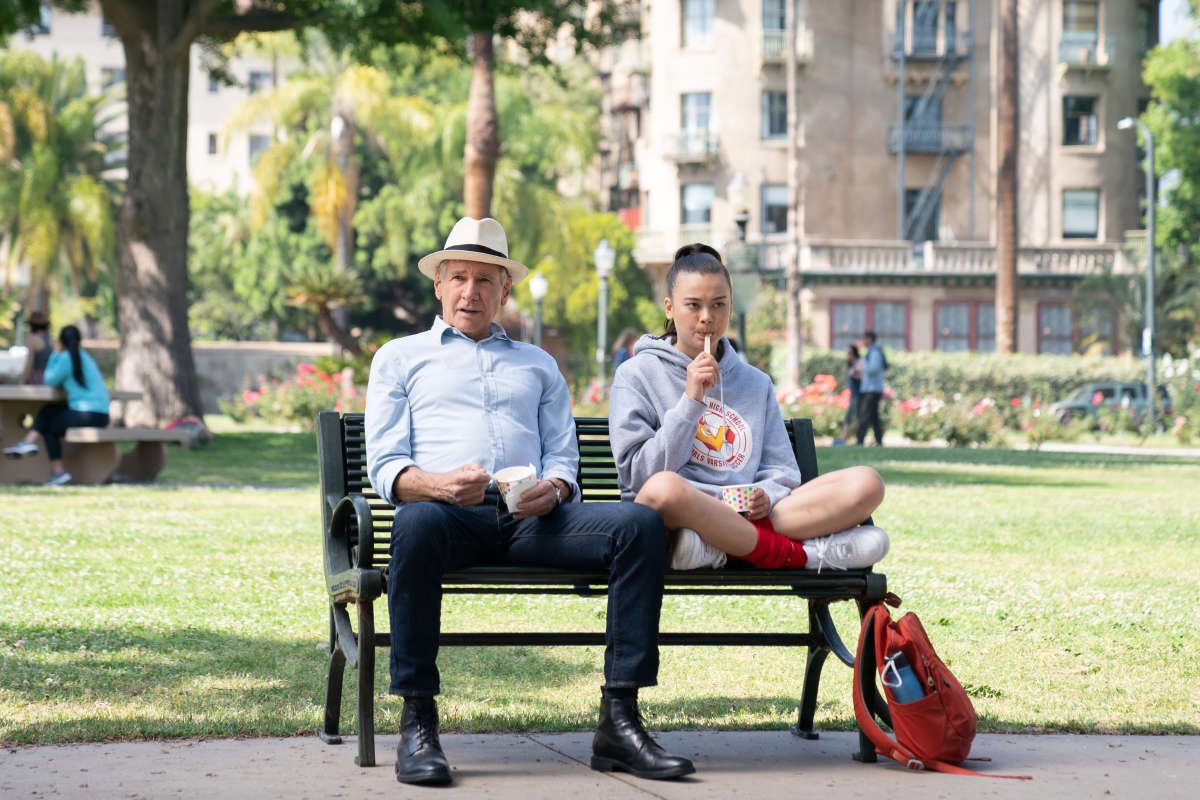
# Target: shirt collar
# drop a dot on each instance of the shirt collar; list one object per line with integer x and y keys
{"x": 440, "y": 327}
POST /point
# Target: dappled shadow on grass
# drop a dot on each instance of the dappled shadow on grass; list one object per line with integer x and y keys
{"x": 81, "y": 684}
{"x": 831, "y": 458}
{"x": 920, "y": 476}
{"x": 253, "y": 458}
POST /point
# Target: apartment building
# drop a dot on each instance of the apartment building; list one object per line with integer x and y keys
{"x": 216, "y": 162}
{"x": 892, "y": 145}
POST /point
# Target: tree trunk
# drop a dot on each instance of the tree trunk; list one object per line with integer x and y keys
{"x": 483, "y": 130}
{"x": 330, "y": 327}
{"x": 1007, "y": 233}
{"x": 155, "y": 352}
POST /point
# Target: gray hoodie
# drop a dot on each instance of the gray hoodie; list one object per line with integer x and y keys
{"x": 655, "y": 427}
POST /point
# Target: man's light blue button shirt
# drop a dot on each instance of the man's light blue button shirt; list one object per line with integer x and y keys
{"x": 438, "y": 400}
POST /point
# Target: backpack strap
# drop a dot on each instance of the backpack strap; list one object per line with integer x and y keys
{"x": 865, "y": 665}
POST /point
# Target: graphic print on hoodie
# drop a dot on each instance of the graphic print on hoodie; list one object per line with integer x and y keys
{"x": 655, "y": 427}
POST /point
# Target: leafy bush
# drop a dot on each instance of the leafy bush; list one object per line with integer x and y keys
{"x": 819, "y": 401}
{"x": 296, "y": 401}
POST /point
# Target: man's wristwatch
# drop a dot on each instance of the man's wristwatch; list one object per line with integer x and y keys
{"x": 558, "y": 495}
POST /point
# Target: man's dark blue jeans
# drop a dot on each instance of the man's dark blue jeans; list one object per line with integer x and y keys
{"x": 430, "y": 539}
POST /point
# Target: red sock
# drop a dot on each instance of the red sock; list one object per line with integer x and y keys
{"x": 774, "y": 550}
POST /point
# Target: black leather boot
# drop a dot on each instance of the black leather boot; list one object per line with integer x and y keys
{"x": 621, "y": 743}
{"x": 419, "y": 758}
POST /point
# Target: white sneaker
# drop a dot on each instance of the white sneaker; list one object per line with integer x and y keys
{"x": 692, "y": 552}
{"x": 856, "y": 548}
{"x": 61, "y": 479}
{"x": 20, "y": 450}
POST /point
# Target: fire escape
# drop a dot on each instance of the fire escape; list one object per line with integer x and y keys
{"x": 931, "y": 46}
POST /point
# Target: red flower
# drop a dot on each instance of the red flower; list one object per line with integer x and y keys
{"x": 306, "y": 368}
{"x": 1097, "y": 398}
{"x": 1015, "y": 402}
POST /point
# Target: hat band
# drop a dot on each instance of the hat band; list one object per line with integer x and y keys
{"x": 477, "y": 248}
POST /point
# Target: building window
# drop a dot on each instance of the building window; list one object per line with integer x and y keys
{"x": 696, "y": 200}
{"x": 106, "y": 29}
{"x": 1054, "y": 328}
{"x": 966, "y": 325}
{"x": 1080, "y": 31}
{"x": 774, "y": 115}
{"x": 694, "y": 122}
{"x": 1081, "y": 213}
{"x": 214, "y": 85}
{"x": 698, "y": 22}
{"x": 258, "y": 143}
{"x": 774, "y": 208}
{"x": 1079, "y": 120}
{"x": 111, "y": 76}
{"x": 850, "y": 319}
{"x": 985, "y": 327}
{"x": 212, "y": 144}
{"x": 921, "y": 217}
{"x": 774, "y": 16}
{"x": 258, "y": 81}
{"x": 924, "y": 26}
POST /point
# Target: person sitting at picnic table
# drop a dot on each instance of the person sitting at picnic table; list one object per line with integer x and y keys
{"x": 72, "y": 369}
{"x": 445, "y": 409}
{"x": 38, "y": 344}
{"x": 688, "y": 418}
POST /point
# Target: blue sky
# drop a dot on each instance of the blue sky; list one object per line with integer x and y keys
{"x": 1173, "y": 19}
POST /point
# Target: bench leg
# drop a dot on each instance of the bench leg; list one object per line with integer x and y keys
{"x": 329, "y": 730}
{"x": 141, "y": 464}
{"x": 808, "y": 698}
{"x": 90, "y": 462}
{"x": 366, "y": 684}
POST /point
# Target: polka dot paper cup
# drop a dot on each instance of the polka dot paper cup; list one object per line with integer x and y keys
{"x": 738, "y": 497}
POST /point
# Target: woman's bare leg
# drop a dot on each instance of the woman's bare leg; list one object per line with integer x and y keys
{"x": 682, "y": 505}
{"x": 828, "y": 503}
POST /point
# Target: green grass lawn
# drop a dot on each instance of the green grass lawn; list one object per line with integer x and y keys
{"x": 1060, "y": 587}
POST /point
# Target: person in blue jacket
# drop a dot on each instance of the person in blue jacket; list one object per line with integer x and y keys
{"x": 74, "y": 370}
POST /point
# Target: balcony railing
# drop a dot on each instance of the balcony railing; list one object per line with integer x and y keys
{"x": 773, "y": 45}
{"x": 1084, "y": 49}
{"x": 925, "y": 138}
{"x": 696, "y": 147}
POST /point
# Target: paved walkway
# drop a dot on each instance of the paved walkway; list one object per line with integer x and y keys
{"x": 758, "y": 764}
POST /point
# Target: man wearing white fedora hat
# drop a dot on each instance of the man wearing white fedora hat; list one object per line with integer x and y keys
{"x": 448, "y": 407}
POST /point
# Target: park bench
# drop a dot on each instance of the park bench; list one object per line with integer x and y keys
{"x": 357, "y": 534}
{"x": 92, "y": 455}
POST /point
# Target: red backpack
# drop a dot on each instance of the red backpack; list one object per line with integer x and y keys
{"x": 933, "y": 732}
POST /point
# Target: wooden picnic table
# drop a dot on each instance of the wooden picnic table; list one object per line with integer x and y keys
{"x": 19, "y": 401}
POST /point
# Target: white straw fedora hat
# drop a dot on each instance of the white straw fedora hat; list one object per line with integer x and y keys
{"x": 470, "y": 239}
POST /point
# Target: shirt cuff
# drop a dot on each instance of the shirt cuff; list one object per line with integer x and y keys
{"x": 387, "y": 478}
{"x": 568, "y": 480}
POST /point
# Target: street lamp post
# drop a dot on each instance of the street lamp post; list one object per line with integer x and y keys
{"x": 605, "y": 257}
{"x": 743, "y": 273}
{"x": 538, "y": 285}
{"x": 1147, "y": 332}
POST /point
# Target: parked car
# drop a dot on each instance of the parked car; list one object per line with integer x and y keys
{"x": 1087, "y": 400}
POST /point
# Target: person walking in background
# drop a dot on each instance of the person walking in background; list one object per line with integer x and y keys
{"x": 623, "y": 347}
{"x": 874, "y": 371}
{"x": 73, "y": 369}
{"x": 38, "y": 343}
{"x": 854, "y": 384}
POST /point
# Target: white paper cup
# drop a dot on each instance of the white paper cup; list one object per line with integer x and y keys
{"x": 738, "y": 497}
{"x": 514, "y": 482}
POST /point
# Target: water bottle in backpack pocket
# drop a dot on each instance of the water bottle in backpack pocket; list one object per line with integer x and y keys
{"x": 898, "y": 676}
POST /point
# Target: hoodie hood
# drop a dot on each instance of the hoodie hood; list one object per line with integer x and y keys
{"x": 664, "y": 350}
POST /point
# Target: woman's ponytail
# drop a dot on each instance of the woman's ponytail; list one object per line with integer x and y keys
{"x": 69, "y": 338}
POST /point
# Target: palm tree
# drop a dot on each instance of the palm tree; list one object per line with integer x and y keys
{"x": 58, "y": 160}
{"x": 318, "y": 114}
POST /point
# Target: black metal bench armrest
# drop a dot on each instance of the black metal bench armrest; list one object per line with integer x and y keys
{"x": 350, "y": 573}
